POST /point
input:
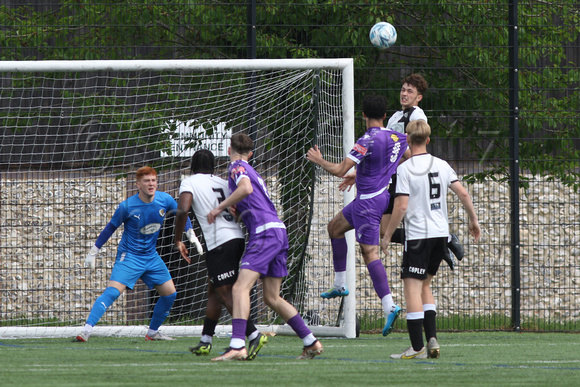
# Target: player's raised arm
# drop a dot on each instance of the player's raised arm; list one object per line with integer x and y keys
{"x": 315, "y": 155}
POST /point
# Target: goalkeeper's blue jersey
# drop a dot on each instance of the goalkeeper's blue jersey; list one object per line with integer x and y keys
{"x": 142, "y": 222}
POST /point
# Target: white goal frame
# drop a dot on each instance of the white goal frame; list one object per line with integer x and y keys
{"x": 347, "y": 325}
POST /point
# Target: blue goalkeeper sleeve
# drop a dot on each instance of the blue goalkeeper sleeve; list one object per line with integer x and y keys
{"x": 105, "y": 235}
{"x": 188, "y": 224}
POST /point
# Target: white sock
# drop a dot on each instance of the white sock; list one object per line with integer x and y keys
{"x": 88, "y": 328}
{"x": 151, "y": 332}
{"x": 415, "y": 315}
{"x": 309, "y": 340}
{"x": 388, "y": 304}
{"x": 237, "y": 343}
{"x": 206, "y": 338}
{"x": 427, "y": 307}
{"x": 254, "y": 335}
{"x": 339, "y": 279}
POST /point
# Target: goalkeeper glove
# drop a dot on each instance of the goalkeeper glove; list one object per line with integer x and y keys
{"x": 193, "y": 239}
{"x": 90, "y": 259}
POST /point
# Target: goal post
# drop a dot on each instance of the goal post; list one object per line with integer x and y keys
{"x": 76, "y": 131}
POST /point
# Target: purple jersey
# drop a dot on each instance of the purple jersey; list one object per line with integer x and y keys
{"x": 257, "y": 210}
{"x": 377, "y": 154}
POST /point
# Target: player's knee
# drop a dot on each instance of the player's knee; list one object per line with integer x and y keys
{"x": 333, "y": 230}
{"x": 241, "y": 288}
{"x": 224, "y": 295}
{"x": 271, "y": 300}
{"x": 369, "y": 252}
{"x": 171, "y": 297}
{"x": 338, "y": 226}
{"x": 110, "y": 295}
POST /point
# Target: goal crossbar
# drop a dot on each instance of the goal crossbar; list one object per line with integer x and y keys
{"x": 176, "y": 65}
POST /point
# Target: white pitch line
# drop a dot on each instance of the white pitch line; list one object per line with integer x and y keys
{"x": 553, "y": 361}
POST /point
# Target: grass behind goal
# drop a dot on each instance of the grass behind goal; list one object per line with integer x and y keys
{"x": 485, "y": 358}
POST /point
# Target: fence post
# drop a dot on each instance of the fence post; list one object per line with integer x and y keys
{"x": 514, "y": 162}
{"x": 251, "y": 29}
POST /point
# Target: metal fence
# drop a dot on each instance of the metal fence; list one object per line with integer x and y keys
{"x": 503, "y": 104}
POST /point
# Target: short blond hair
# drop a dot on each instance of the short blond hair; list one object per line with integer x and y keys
{"x": 418, "y": 132}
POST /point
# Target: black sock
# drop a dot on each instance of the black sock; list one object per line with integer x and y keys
{"x": 250, "y": 328}
{"x": 430, "y": 325}
{"x": 209, "y": 327}
{"x": 415, "y": 328}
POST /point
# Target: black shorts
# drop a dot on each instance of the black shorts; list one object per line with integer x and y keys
{"x": 422, "y": 257}
{"x": 392, "y": 188}
{"x": 223, "y": 262}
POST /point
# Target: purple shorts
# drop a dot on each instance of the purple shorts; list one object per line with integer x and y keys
{"x": 267, "y": 253}
{"x": 365, "y": 216}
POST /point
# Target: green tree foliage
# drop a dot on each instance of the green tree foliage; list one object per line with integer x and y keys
{"x": 460, "y": 47}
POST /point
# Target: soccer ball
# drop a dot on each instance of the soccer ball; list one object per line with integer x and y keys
{"x": 383, "y": 35}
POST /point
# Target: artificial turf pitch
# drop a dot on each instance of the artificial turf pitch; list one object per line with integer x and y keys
{"x": 467, "y": 358}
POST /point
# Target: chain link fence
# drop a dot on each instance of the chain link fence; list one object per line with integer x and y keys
{"x": 502, "y": 103}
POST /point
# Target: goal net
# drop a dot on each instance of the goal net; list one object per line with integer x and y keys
{"x": 74, "y": 133}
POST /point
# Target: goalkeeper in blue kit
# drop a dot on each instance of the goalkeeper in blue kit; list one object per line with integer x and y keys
{"x": 142, "y": 216}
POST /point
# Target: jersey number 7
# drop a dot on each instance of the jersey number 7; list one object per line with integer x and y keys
{"x": 221, "y": 196}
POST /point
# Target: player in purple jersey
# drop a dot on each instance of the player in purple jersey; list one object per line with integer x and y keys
{"x": 413, "y": 89}
{"x": 421, "y": 201}
{"x": 225, "y": 242}
{"x": 265, "y": 256}
{"x": 142, "y": 216}
{"x": 376, "y": 156}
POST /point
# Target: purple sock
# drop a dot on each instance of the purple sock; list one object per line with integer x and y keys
{"x": 339, "y": 249}
{"x": 379, "y": 278}
{"x": 239, "y": 328}
{"x": 297, "y": 324}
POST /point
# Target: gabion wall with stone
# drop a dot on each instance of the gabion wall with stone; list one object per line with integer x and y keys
{"x": 50, "y": 221}
{"x": 481, "y": 284}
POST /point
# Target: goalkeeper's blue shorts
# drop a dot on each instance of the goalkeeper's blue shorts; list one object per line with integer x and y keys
{"x": 129, "y": 268}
